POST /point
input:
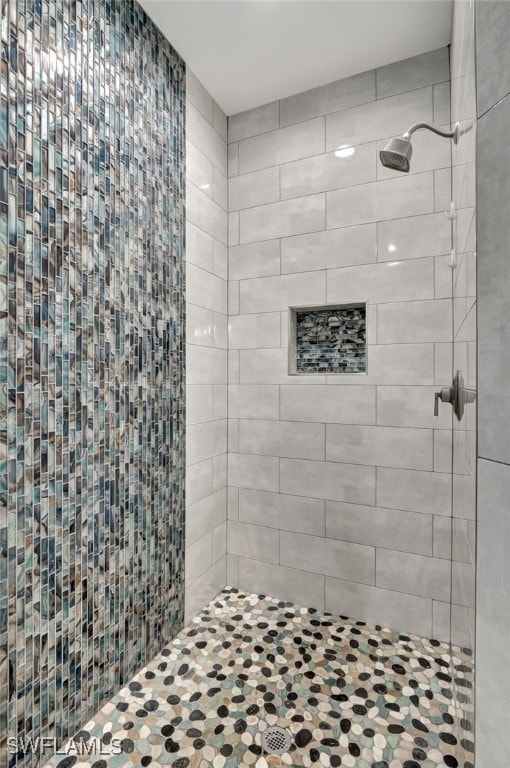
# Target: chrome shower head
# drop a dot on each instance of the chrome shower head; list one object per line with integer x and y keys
{"x": 397, "y": 152}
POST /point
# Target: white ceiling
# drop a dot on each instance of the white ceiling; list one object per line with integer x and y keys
{"x": 250, "y": 52}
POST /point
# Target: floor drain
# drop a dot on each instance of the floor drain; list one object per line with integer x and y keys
{"x": 276, "y": 741}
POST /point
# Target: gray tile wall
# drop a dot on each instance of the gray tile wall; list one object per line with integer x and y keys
{"x": 206, "y": 347}
{"x": 493, "y": 524}
{"x": 340, "y": 486}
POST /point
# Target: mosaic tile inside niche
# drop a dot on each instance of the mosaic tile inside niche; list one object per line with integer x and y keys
{"x": 331, "y": 340}
{"x": 350, "y": 694}
{"x": 91, "y": 358}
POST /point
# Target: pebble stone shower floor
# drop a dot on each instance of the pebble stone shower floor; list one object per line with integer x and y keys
{"x": 349, "y": 693}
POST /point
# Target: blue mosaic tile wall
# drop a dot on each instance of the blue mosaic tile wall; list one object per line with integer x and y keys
{"x": 331, "y": 340}
{"x": 91, "y": 357}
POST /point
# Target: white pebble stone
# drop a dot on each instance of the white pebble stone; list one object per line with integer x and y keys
{"x": 208, "y": 753}
{"x": 348, "y": 760}
{"x": 379, "y": 740}
{"x": 219, "y": 761}
{"x": 357, "y": 729}
{"x": 261, "y": 762}
{"x": 378, "y": 754}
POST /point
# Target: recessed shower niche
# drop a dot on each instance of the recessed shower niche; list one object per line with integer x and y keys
{"x": 328, "y": 340}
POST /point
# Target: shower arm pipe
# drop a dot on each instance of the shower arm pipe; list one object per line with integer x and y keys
{"x": 431, "y": 127}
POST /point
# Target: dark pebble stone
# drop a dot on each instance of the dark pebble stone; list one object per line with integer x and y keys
{"x": 240, "y": 726}
{"x": 121, "y": 706}
{"x": 226, "y": 750}
{"x": 303, "y": 737}
{"x": 396, "y": 728}
{"x": 345, "y": 725}
{"x": 448, "y": 738}
{"x": 167, "y": 730}
{"x": 100, "y": 764}
{"x": 150, "y": 675}
{"x": 196, "y": 714}
{"x": 335, "y": 760}
{"x": 193, "y": 733}
{"x": 270, "y": 708}
{"x": 359, "y": 709}
{"x": 128, "y": 746}
{"x": 173, "y": 699}
{"x": 146, "y": 760}
{"x": 255, "y": 749}
{"x": 450, "y": 761}
{"x": 82, "y": 736}
{"x": 421, "y": 742}
{"x": 141, "y": 713}
{"x": 411, "y": 764}
{"x": 393, "y": 707}
{"x": 448, "y": 718}
{"x": 313, "y": 702}
{"x": 182, "y": 762}
{"x": 419, "y": 754}
{"x": 169, "y": 680}
{"x": 398, "y": 669}
{"x": 314, "y": 755}
{"x": 369, "y": 733}
{"x": 151, "y": 705}
{"x": 195, "y": 697}
{"x": 380, "y": 764}
{"x": 354, "y": 749}
{"x": 176, "y": 721}
{"x": 67, "y": 762}
{"x": 222, "y": 711}
{"x": 171, "y": 746}
{"x": 253, "y": 709}
{"x": 183, "y": 669}
{"x": 135, "y": 686}
{"x": 467, "y": 745}
{"x": 380, "y": 688}
{"x": 219, "y": 728}
{"x": 198, "y": 744}
{"x": 328, "y": 742}
{"x": 107, "y": 738}
{"x": 127, "y": 726}
{"x": 419, "y": 726}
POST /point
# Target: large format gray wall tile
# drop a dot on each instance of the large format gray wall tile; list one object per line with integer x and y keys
{"x": 492, "y": 54}
{"x": 493, "y": 616}
{"x": 493, "y": 187}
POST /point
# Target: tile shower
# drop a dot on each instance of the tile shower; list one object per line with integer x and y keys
{"x": 317, "y": 295}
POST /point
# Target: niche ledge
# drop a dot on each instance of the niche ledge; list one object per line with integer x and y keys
{"x": 329, "y": 339}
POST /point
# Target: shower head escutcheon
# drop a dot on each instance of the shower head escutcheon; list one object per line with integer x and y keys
{"x": 397, "y": 152}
